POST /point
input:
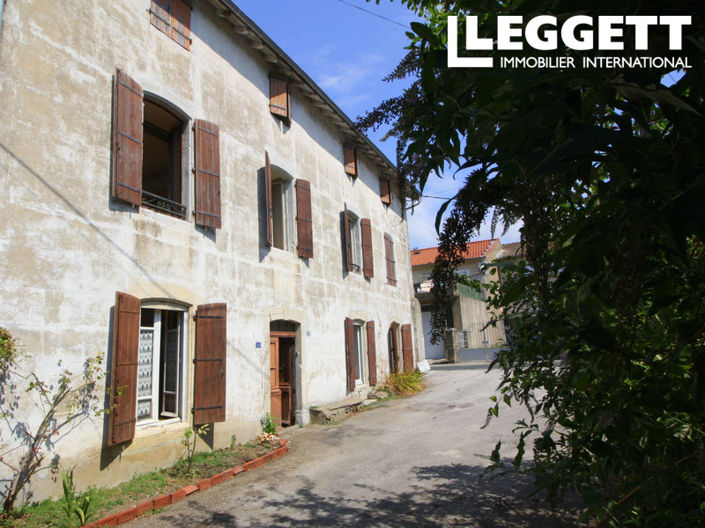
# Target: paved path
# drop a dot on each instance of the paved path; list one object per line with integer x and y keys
{"x": 413, "y": 462}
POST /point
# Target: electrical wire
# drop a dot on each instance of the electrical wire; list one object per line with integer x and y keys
{"x": 373, "y": 13}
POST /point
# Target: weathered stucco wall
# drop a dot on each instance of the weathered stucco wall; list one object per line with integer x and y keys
{"x": 67, "y": 247}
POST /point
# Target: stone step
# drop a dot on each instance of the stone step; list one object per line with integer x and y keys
{"x": 334, "y": 412}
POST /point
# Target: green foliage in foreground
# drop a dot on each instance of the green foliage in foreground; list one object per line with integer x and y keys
{"x": 75, "y": 505}
{"x": 142, "y": 487}
{"x": 606, "y": 169}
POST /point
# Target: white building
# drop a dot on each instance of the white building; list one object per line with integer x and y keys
{"x": 467, "y": 315}
{"x": 180, "y": 196}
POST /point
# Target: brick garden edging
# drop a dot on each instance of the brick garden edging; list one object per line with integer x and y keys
{"x": 180, "y": 494}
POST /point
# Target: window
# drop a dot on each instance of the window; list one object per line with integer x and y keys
{"x": 148, "y": 167}
{"x": 160, "y": 364}
{"x": 161, "y": 163}
{"x": 279, "y": 101}
{"x": 282, "y": 212}
{"x": 173, "y": 18}
{"x": 360, "y": 336}
{"x": 385, "y": 191}
{"x": 357, "y": 240}
{"x": 389, "y": 257}
{"x": 358, "y": 357}
{"x": 147, "y": 369}
{"x": 350, "y": 160}
{"x": 289, "y": 218}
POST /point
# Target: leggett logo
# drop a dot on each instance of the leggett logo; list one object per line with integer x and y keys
{"x": 577, "y": 32}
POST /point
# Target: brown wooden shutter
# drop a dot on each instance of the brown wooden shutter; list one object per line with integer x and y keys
{"x": 347, "y": 239}
{"x": 278, "y": 95}
{"x": 394, "y": 367}
{"x": 407, "y": 349}
{"x": 209, "y": 372}
{"x": 304, "y": 220}
{"x": 269, "y": 212}
{"x": 350, "y": 160}
{"x": 207, "y": 174}
{"x": 371, "y": 352}
{"x": 123, "y": 371}
{"x": 160, "y": 15}
{"x": 368, "y": 266}
{"x": 389, "y": 257}
{"x": 173, "y": 18}
{"x": 127, "y": 139}
{"x": 385, "y": 191}
{"x": 350, "y": 354}
{"x": 181, "y": 23}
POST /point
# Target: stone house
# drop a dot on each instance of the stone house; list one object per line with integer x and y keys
{"x": 468, "y": 314}
{"x": 180, "y": 196}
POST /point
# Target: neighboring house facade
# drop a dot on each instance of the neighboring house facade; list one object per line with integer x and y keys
{"x": 181, "y": 197}
{"x": 510, "y": 253}
{"x": 467, "y": 315}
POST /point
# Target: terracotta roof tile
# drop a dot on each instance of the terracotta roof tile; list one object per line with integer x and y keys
{"x": 475, "y": 250}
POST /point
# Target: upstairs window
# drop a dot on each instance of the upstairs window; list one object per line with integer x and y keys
{"x": 350, "y": 160}
{"x": 389, "y": 257}
{"x": 148, "y": 167}
{"x": 279, "y": 101}
{"x": 357, "y": 243}
{"x": 161, "y": 165}
{"x": 352, "y": 241}
{"x": 282, "y": 212}
{"x": 173, "y": 18}
{"x": 385, "y": 191}
{"x": 289, "y": 223}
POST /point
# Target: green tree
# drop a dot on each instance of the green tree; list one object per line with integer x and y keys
{"x": 606, "y": 169}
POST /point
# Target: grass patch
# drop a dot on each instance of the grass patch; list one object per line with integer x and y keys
{"x": 405, "y": 383}
{"x": 107, "y": 501}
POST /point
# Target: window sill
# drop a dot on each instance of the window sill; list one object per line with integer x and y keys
{"x": 157, "y": 425}
{"x": 283, "y": 251}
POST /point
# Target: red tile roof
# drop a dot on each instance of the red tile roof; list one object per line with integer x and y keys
{"x": 475, "y": 250}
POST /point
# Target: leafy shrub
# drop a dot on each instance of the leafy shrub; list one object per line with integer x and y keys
{"x": 62, "y": 403}
{"x": 268, "y": 425}
{"x": 405, "y": 383}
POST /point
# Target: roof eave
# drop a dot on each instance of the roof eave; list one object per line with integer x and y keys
{"x": 272, "y": 53}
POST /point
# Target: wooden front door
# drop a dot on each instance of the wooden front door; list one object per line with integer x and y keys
{"x": 281, "y": 379}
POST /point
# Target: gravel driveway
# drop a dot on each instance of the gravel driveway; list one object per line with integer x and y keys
{"x": 411, "y": 462}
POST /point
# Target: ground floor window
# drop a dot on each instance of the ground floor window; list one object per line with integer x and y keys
{"x": 359, "y": 357}
{"x": 160, "y": 364}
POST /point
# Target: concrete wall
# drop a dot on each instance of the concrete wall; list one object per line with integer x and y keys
{"x": 67, "y": 246}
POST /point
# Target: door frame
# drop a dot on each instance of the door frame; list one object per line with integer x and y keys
{"x": 276, "y": 334}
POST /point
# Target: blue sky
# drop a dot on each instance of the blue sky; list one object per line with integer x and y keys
{"x": 347, "y": 52}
